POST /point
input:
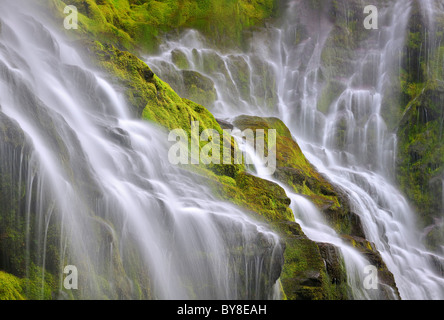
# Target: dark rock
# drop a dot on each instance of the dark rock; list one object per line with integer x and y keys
{"x": 120, "y": 136}
{"x": 146, "y": 74}
{"x": 313, "y": 279}
{"x": 333, "y": 262}
{"x": 385, "y": 277}
{"x": 225, "y": 124}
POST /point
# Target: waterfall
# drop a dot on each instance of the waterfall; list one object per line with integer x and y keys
{"x": 369, "y": 150}
{"x": 134, "y": 225}
{"x": 431, "y": 11}
{"x": 362, "y": 163}
{"x": 348, "y": 141}
{"x": 317, "y": 229}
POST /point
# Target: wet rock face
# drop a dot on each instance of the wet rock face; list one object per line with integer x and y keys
{"x": 12, "y": 140}
{"x": 180, "y": 59}
{"x": 332, "y": 258}
{"x": 306, "y": 274}
{"x": 420, "y": 168}
{"x": 386, "y": 282}
{"x": 293, "y": 169}
{"x": 316, "y": 270}
{"x": 198, "y": 88}
{"x": 119, "y": 135}
{"x": 10, "y": 132}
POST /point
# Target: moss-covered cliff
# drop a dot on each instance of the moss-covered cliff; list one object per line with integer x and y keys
{"x": 420, "y": 165}
{"x": 20, "y": 275}
{"x": 313, "y": 270}
{"x": 113, "y": 33}
{"x": 304, "y": 273}
{"x": 133, "y": 24}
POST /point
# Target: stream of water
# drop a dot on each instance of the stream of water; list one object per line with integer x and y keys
{"x": 127, "y": 216}
{"x": 349, "y": 142}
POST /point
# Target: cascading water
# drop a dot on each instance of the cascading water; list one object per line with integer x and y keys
{"x": 349, "y": 142}
{"x": 244, "y": 83}
{"x": 363, "y": 162}
{"x": 134, "y": 225}
{"x": 317, "y": 229}
{"x": 431, "y": 11}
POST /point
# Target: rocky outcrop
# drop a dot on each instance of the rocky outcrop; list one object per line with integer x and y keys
{"x": 20, "y": 277}
{"x": 309, "y": 273}
{"x": 324, "y": 275}
{"x": 293, "y": 169}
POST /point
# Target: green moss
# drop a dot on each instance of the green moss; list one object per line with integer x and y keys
{"x": 421, "y": 153}
{"x": 263, "y": 199}
{"x": 180, "y": 59}
{"x": 38, "y": 284}
{"x": 435, "y": 236}
{"x": 369, "y": 251}
{"x": 32, "y": 287}
{"x": 421, "y": 147}
{"x": 420, "y": 165}
{"x": 293, "y": 169}
{"x": 266, "y": 195}
{"x": 305, "y": 275}
{"x": 198, "y": 88}
{"x": 329, "y": 94}
{"x": 10, "y": 287}
{"x": 139, "y": 24}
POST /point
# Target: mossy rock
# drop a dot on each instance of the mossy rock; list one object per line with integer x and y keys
{"x": 198, "y": 88}
{"x": 126, "y": 25}
{"x": 264, "y": 200}
{"x": 420, "y": 162}
{"x": 240, "y": 73}
{"x": 10, "y": 287}
{"x": 139, "y": 25}
{"x": 307, "y": 274}
{"x": 329, "y": 94}
{"x": 180, "y": 59}
{"x": 385, "y": 277}
{"x": 266, "y": 194}
{"x": 293, "y": 169}
{"x": 434, "y": 235}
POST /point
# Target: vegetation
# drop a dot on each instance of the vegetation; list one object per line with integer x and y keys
{"x": 420, "y": 168}
{"x": 115, "y": 33}
{"x": 138, "y": 24}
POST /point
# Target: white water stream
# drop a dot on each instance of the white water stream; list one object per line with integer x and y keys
{"x": 127, "y": 216}
{"x": 349, "y": 142}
